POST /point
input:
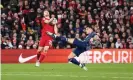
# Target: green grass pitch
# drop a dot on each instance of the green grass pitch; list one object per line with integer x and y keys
{"x": 62, "y": 71}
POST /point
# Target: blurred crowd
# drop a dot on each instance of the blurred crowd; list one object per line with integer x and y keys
{"x": 112, "y": 19}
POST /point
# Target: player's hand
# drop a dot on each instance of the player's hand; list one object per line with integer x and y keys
{"x": 91, "y": 40}
{"x": 49, "y": 33}
{"x": 54, "y": 21}
{"x": 58, "y": 34}
{"x": 98, "y": 34}
{"x": 53, "y": 16}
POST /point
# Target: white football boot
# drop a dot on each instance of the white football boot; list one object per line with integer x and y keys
{"x": 83, "y": 66}
{"x": 37, "y": 63}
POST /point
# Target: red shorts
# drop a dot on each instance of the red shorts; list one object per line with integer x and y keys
{"x": 45, "y": 42}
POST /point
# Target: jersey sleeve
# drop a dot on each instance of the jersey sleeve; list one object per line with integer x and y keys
{"x": 90, "y": 36}
{"x": 43, "y": 21}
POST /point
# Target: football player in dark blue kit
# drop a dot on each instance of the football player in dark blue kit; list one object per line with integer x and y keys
{"x": 81, "y": 45}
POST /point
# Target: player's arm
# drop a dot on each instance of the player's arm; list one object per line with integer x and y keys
{"x": 91, "y": 35}
{"x": 48, "y": 21}
{"x": 55, "y": 29}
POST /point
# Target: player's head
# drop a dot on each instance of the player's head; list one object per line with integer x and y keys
{"x": 45, "y": 13}
{"x": 88, "y": 30}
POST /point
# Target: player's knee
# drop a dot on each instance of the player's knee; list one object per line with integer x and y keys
{"x": 44, "y": 52}
{"x": 38, "y": 51}
{"x": 69, "y": 59}
{"x": 46, "y": 49}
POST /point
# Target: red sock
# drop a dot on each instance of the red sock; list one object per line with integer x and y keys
{"x": 38, "y": 55}
{"x": 42, "y": 56}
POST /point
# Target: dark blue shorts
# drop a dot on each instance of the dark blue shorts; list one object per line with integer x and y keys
{"x": 77, "y": 51}
{"x": 80, "y": 47}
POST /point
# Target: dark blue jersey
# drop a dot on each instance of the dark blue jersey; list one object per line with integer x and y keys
{"x": 87, "y": 39}
{"x": 83, "y": 45}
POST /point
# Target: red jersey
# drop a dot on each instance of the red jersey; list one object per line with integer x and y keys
{"x": 45, "y": 28}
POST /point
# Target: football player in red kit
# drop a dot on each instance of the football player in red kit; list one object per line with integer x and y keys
{"x": 48, "y": 24}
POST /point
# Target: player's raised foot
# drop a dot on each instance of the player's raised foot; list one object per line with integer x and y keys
{"x": 51, "y": 34}
{"x": 37, "y": 63}
{"x": 83, "y": 66}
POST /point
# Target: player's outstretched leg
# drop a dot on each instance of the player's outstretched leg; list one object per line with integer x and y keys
{"x": 74, "y": 61}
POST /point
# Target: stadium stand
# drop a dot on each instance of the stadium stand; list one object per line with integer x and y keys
{"x": 112, "y": 19}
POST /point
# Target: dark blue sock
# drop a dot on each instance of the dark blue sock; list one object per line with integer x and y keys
{"x": 74, "y": 61}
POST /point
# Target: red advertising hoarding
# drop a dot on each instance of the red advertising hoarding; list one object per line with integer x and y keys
{"x": 60, "y": 56}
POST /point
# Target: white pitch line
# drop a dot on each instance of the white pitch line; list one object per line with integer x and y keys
{"x": 75, "y": 76}
{"x": 123, "y": 77}
{"x": 68, "y": 72}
